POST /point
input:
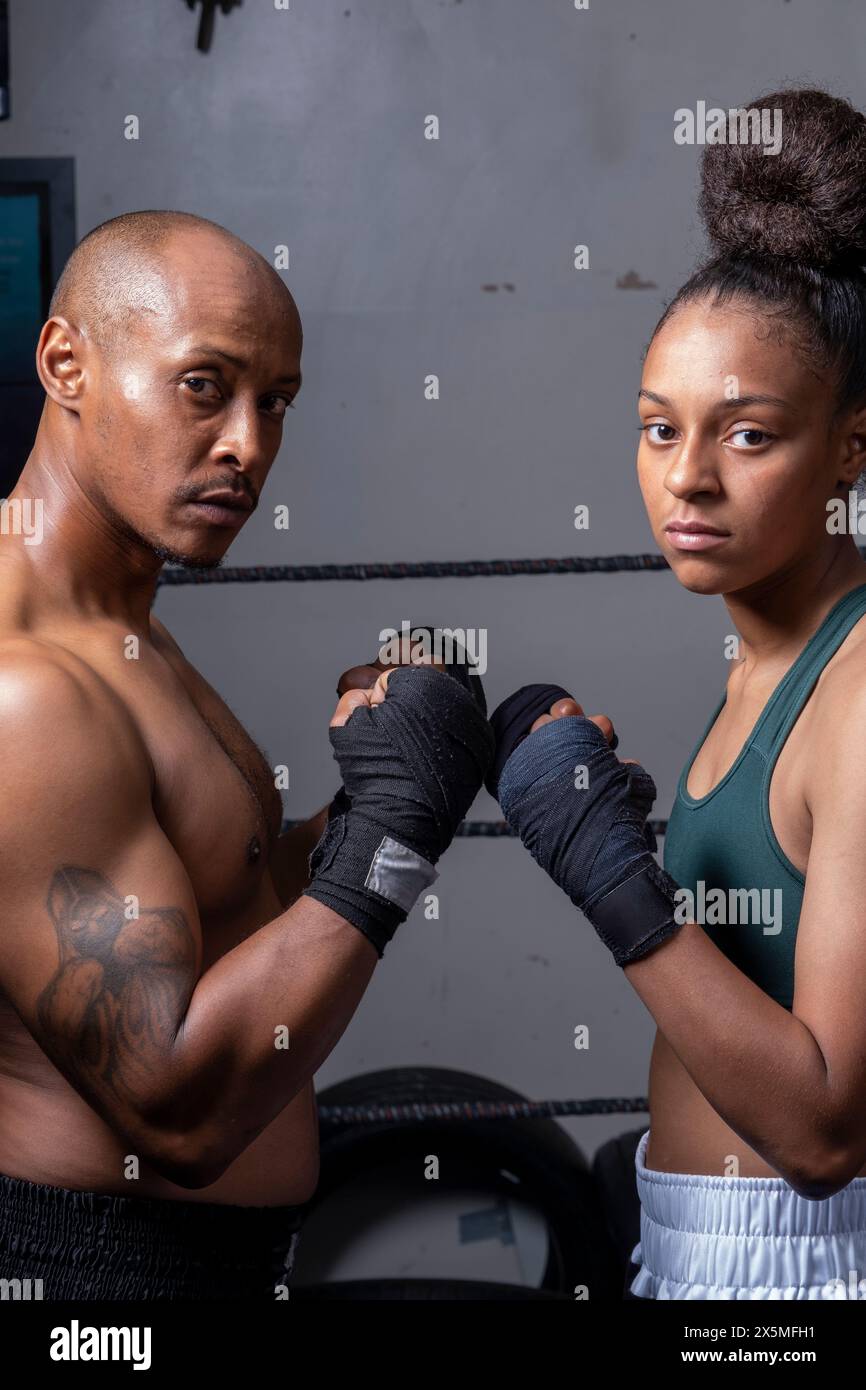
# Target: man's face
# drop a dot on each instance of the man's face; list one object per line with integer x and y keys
{"x": 189, "y": 403}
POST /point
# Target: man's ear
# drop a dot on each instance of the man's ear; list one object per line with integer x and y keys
{"x": 59, "y": 362}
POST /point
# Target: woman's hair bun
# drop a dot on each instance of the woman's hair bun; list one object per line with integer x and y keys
{"x": 808, "y": 201}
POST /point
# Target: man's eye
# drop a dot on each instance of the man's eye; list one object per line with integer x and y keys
{"x": 753, "y": 442}
{"x": 282, "y": 403}
{"x": 197, "y": 384}
{"x": 666, "y": 439}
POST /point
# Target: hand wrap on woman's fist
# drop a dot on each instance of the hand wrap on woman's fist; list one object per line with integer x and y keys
{"x": 582, "y": 815}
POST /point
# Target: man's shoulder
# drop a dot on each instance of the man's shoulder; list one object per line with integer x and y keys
{"x": 31, "y": 664}
{"x": 162, "y": 638}
{"x": 51, "y": 697}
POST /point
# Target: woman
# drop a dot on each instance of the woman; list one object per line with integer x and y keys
{"x": 752, "y": 1175}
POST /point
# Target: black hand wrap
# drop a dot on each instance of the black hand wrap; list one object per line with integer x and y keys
{"x": 411, "y": 767}
{"x": 588, "y": 833}
{"x": 460, "y": 668}
{"x": 512, "y": 720}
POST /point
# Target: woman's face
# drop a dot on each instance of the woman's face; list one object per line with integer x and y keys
{"x": 736, "y": 436}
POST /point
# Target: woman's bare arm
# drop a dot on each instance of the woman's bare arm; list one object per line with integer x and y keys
{"x": 793, "y": 1085}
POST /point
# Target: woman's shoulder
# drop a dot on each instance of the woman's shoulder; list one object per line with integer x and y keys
{"x": 840, "y": 692}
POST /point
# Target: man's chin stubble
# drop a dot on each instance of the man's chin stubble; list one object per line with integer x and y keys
{"x": 176, "y": 557}
{"x": 165, "y": 553}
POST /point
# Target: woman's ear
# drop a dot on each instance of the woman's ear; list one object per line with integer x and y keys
{"x": 853, "y": 460}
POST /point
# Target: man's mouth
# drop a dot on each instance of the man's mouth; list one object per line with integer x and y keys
{"x": 223, "y": 508}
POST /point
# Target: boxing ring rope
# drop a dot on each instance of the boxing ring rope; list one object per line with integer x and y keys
{"x": 445, "y": 569}
{"x": 425, "y": 569}
{"x": 480, "y": 1110}
{"x": 420, "y": 569}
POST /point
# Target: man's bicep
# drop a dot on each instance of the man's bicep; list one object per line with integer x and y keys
{"x": 99, "y": 942}
{"x": 106, "y": 988}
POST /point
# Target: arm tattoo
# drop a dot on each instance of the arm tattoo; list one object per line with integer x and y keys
{"x": 112, "y": 1009}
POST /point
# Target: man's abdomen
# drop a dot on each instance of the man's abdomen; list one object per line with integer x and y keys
{"x": 48, "y": 1134}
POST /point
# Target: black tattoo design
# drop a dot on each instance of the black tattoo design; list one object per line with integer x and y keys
{"x": 111, "y": 1011}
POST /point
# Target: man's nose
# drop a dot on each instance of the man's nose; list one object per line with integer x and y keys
{"x": 243, "y": 439}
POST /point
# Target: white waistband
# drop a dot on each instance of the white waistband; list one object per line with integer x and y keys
{"x": 707, "y": 1236}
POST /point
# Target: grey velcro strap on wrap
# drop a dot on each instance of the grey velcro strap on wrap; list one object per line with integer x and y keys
{"x": 399, "y": 874}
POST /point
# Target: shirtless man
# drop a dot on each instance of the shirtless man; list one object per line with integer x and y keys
{"x": 170, "y": 978}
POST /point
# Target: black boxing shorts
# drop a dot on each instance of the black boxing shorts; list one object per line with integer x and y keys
{"x": 57, "y": 1244}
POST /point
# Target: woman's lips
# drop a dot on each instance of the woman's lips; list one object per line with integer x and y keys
{"x": 694, "y": 540}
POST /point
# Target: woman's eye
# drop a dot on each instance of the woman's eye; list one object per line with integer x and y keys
{"x": 757, "y": 437}
{"x": 665, "y": 439}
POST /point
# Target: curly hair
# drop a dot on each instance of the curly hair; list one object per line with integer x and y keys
{"x": 788, "y": 233}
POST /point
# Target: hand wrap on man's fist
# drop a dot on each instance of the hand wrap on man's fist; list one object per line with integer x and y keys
{"x": 411, "y": 769}
{"x": 588, "y": 832}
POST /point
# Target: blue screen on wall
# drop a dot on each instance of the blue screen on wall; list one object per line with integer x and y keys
{"x": 21, "y": 282}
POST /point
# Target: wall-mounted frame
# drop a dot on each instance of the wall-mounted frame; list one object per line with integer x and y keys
{"x": 37, "y": 234}
{"x": 5, "y": 93}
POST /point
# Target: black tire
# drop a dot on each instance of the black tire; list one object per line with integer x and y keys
{"x": 544, "y": 1167}
{"x": 417, "y": 1290}
{"x": 613, "y": 1169}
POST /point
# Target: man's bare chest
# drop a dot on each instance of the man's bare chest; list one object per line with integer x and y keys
{"x": 214, "y": 794}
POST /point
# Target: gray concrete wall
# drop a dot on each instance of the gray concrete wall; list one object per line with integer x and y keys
{"x": 306, "y": 128}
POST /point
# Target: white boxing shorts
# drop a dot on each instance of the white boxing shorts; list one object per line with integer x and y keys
{"x": 712, "y": 1237}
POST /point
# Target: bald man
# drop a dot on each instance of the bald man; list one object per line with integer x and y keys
{"x": 173, "y": 970}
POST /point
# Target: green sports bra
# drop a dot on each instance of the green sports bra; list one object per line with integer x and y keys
{"x": 722, "y": 848}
